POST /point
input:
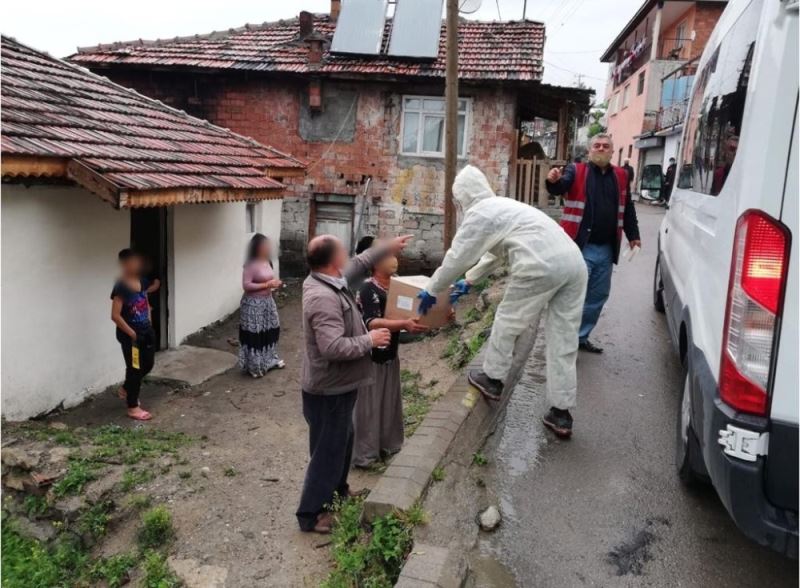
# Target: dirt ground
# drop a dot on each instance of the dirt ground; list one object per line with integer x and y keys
{"x": 234, "y": 509}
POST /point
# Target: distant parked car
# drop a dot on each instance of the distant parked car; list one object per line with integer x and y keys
{"x": 727, "y": 271}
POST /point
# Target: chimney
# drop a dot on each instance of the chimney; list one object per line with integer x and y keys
{"x": 336, "y": 7}
{"x": 306, "y": 24}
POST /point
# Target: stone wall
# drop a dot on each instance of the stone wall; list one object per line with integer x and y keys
{"x": 405, "y": 193}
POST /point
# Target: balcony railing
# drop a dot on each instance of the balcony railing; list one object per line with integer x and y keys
{"x": 676, "y": 89}
{"x": 674, "y": 49}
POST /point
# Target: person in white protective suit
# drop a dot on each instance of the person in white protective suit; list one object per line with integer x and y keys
{"x": 546, "y": 271}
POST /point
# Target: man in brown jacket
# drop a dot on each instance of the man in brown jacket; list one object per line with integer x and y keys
{"x": 336, "y": 363}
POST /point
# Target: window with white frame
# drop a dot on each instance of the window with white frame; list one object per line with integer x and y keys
{"x": 626, "y": 95}
{"x": 422, "y": 128}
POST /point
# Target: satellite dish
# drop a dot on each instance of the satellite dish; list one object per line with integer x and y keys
{"x": 468, "y": 6}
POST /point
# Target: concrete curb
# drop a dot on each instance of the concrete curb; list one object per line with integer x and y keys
{"x": 405, "y": 480}
{"x": 428, "y": 566}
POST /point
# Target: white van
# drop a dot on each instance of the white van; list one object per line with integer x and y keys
{"x": 727, "y": 271}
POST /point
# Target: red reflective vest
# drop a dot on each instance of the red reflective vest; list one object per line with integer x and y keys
{"x": 572, "y": 214}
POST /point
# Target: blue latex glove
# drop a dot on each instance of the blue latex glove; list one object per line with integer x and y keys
{"x": 427, "y": 300}
{"x": 460, "y": 288}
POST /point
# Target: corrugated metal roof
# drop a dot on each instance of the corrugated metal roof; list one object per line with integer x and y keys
{"x": 54, "y": 109}
{"x": 489, "y": 51}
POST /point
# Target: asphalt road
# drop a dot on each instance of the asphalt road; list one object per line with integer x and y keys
{"x": 606, "y": 508}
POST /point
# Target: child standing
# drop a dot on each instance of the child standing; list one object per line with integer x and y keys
{"x": 130, "y": 311}
{"x": 378, "y": 418}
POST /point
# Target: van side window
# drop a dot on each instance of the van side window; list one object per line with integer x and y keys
{"x": 714, "y": 118}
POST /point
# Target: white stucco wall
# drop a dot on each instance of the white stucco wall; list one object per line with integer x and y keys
{"x": 209, "y": 242}
{"x": 671, "y": 144}
{"x": 59, "y": 261}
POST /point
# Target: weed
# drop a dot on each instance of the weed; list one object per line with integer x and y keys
{"x": 132, "y": 445}
{"x": 157, "y": 573}
{"x": 156, "y": 528}
{"x": 482, "y": 285}
{"x": 437, "y": 475}
{"x": 453, "y": 345}
{"x": 66, "y": 437}
{"x": 230, "y": 472}
{"x": 134, "y": 477}
{"x": 432, "y": 383}
{"x": 185, "y": 474}
{"x": 415, "y": 516}
{"x": 114, "y": 570}
{"x": 94, "y": 521}
{"x": 479, "y": 459}
{"x": 79, "y": 473}
{"x": 473, "y": 315}
{"x": 416, "y": 404}
{"x": 139, "y": 501}
{"x": 377, "y": 467}
{"x": 27, "y": 563}
{"x": 369, "y": 556}
{"x": 35, "y": 506}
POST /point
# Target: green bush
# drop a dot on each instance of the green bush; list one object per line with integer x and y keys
{"x": 157, "y": 573}
{"x": 114, "y": 570}
{"x": 156, "y": 529}
{"x": 79, "y": 473}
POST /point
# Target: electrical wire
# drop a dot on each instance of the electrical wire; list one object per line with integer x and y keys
{"x": 577, "y": 73}
{"x": 497, "y": 2}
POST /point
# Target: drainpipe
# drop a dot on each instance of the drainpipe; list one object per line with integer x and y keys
{"x": 656, "y": 31}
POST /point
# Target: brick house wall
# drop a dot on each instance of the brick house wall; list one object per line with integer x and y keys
{"x": 353, "y": 138}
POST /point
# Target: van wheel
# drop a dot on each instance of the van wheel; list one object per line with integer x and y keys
{"x": 658, "y": 287}
{"x": 688, "y": 454}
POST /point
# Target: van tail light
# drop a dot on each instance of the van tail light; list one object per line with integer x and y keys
{"x": 755, "y": 303}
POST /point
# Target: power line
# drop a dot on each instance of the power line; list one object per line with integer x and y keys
{"x": 577, "y": 73}
{"x": 497, "y": 2}
{"x": 567, "y": 16}
{"x": 576, "y": 52}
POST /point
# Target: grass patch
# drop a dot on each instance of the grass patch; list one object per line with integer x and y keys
{"x": 35, "y": 506}
{"x": 369, "y": 556}
{"x": 460, "y": 352}
{"x": 437, "y": 475}
{"x": 134, "y": 477}
{"x": 473, "y": 315}
{"x": 130, "y": 446}
{"x": 157, "y": 573}
{"x": 156, "y": 529}
{"x": 94, "y": 521}
{"x": 479, "y": 459}
{"x": 185, "y": 474}
{"x": 139, "y": 501}
{"x": 79, "y": 473}
{"x": 114, "y": 570}
{"x": 230, "y": 472}
{"x": 416, "y": 403}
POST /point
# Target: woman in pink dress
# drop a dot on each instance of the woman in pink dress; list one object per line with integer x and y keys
{"x": 259, "y": 325}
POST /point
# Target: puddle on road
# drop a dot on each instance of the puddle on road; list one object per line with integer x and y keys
{"x": 521, "y": 437}
{"x": 486, "y": 571}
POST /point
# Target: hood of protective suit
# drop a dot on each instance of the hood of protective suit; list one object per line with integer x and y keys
{"x": 470, "y": 187}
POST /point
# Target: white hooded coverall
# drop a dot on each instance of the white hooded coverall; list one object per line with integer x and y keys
{"x": 546, "y": 270}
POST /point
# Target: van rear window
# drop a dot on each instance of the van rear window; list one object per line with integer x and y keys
{"x": 714, "y": 120}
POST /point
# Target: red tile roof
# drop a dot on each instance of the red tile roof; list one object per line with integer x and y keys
{"x": 55, "y": 109}
{"x": 486, "y": 50}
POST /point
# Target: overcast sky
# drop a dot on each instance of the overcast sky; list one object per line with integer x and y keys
{"x": 577, "y": 30}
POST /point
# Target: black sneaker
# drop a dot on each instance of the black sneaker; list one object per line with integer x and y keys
{"x": 589, "y": 346}
{"x": 559, "y": 421}
{"x": 490, "y": 388}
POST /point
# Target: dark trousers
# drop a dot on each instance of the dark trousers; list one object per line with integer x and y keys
{"x": 147, "y": 355}
{"x": 330, "y": 435}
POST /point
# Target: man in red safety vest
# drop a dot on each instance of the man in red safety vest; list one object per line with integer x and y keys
{"x": 597, "y": 210}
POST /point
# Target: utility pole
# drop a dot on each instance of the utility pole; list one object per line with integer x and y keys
{"x": 451, "y": 121}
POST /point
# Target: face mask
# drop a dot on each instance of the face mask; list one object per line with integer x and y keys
{"x": 601, "y": 159}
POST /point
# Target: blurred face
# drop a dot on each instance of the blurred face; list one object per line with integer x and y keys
{"x": 263, "y": 250}
{"x": 340, "y": 257}
{"x": 600, "y": 151}
{"x": 387, "y": 266}
{"x": 131, "y": 266}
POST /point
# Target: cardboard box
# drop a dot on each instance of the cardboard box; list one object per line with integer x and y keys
{"x": 402, "y": 302}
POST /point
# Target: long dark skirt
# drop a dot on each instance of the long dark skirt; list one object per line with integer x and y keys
{"x": 378, "y": 419}
{"x": 259, "y": 330}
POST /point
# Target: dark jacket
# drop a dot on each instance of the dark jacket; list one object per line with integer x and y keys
{"x": 337, "y": 344}
{"x": 630, "y": 224}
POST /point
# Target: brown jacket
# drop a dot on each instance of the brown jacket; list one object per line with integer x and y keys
{"x": 337, "y": 355}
